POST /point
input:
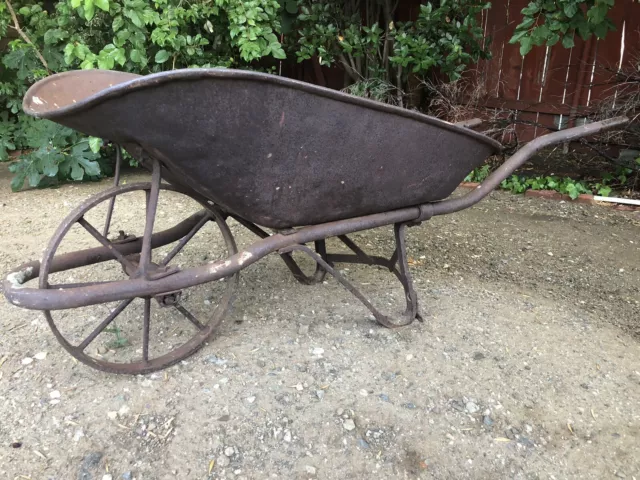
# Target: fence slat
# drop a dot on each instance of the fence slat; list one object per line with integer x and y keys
{"x": 565, "y": 86}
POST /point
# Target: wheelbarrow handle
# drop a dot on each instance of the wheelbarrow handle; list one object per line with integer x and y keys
{"x": 520, "y": 157}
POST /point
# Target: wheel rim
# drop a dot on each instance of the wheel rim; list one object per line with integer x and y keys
{"x": 175, "y": 355}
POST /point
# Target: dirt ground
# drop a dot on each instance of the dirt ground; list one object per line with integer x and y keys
{"x": 527, "y": 365}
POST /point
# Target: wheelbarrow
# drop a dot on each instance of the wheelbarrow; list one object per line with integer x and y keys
{"x": 294, "y": 163}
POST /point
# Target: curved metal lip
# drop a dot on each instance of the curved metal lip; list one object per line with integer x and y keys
{"x": 148, "y": 81}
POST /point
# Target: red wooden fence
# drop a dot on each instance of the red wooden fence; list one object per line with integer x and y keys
{"x": 548, "y": 87}
{"x": 553, "y": 85}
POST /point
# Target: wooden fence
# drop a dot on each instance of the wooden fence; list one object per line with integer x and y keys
{"x": 553, "y": 86}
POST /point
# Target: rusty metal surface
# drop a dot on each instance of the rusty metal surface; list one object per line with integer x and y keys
{"x": 277, "y": 152}
{"x": 48, "y": 299}
{"x": 91, "y": 256}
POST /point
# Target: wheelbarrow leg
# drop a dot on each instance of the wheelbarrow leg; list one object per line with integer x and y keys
{"x": 399, "y": 257}
{"x": 400, "y": 231}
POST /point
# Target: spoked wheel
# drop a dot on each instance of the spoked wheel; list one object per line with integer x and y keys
{"x": 140, "y": 335}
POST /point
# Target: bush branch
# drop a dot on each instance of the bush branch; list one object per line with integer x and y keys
{"x": 16, "y": 27}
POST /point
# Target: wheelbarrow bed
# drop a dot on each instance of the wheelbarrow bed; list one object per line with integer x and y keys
{"x": 275, "y": 151}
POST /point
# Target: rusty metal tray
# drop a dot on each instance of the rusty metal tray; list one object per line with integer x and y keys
{"x": 278, "y": 152}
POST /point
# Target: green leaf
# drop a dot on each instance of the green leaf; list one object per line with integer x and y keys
{"x": 50, "y": 168}
{"x": 162, "y": 56}
{"x": 91, "y": 168}
{"x": 525, "y": 45}
{"x": 54, "y": 35}
{"x": 136, "y": 56}
{"x": 94, "y": 144}
{"x": 531, "y": 9}
{"x": 567, "y": 41}
{"x": 570, "y": 9}
{"x": 89, "y": 9}
{"x": 540, "y": 34}
{"x": 572, "y": 190}
{"x": 75, "y": 3}
{"x": 278, "y": 52}
{"x": 553, "y": 39}
{"x": 34, "y": 176}
{"x": 80, "y": 162}
{"x": 120, "y": 56}
{"x": 526, "y": 23}
{"x": 604, "y": 191}
{"x": 291, "y": 7}
{"x": 17, "y": 182}
{"x": 102, "y": 5}
{"x": 77, "y": 173}
{"x": 118, "y": 23}
{"x": 19, "y": 60}
{"x": 134, "y": 17}
{"x": 601, "y": 30}
{"x": 517, "y": 36}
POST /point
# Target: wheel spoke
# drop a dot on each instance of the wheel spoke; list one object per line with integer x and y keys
{"x": 107, "y": 222}
{"x": 146, "y": 328}
{"x": 185, "y": 240}
{"x": 106, "y": 243}
{"x": 104, "y": 324}
{"x": 190, "y": 317}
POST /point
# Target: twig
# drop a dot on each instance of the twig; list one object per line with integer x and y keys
{"x": 16, "y": 27}
{"x": 399, "y": 85}
{"x": 351, "y": 72}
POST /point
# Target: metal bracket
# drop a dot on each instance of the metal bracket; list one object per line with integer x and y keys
{"x": 399, "y": 257}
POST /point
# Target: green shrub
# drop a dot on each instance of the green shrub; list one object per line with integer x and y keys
{"x": 130, "y": 35}
{"x": 378, "y": 51}
{"x": 549, "y": 22}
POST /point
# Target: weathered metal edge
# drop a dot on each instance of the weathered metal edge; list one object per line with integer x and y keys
{"x": 151, "y": 80}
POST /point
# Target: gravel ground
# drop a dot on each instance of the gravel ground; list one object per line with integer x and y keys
{"x": 527, "y": 365}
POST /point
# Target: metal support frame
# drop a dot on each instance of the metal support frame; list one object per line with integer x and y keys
{"x": 116, "y": 182}
{"x": 320, "y": 245}
{"x": 397, "y": 264}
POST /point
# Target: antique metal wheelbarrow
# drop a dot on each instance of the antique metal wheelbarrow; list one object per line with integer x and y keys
{"x": 305, "y": 162}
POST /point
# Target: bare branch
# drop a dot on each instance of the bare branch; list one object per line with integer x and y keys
{"x": 16, "y": 27}
{"x": 350, "y": 71}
